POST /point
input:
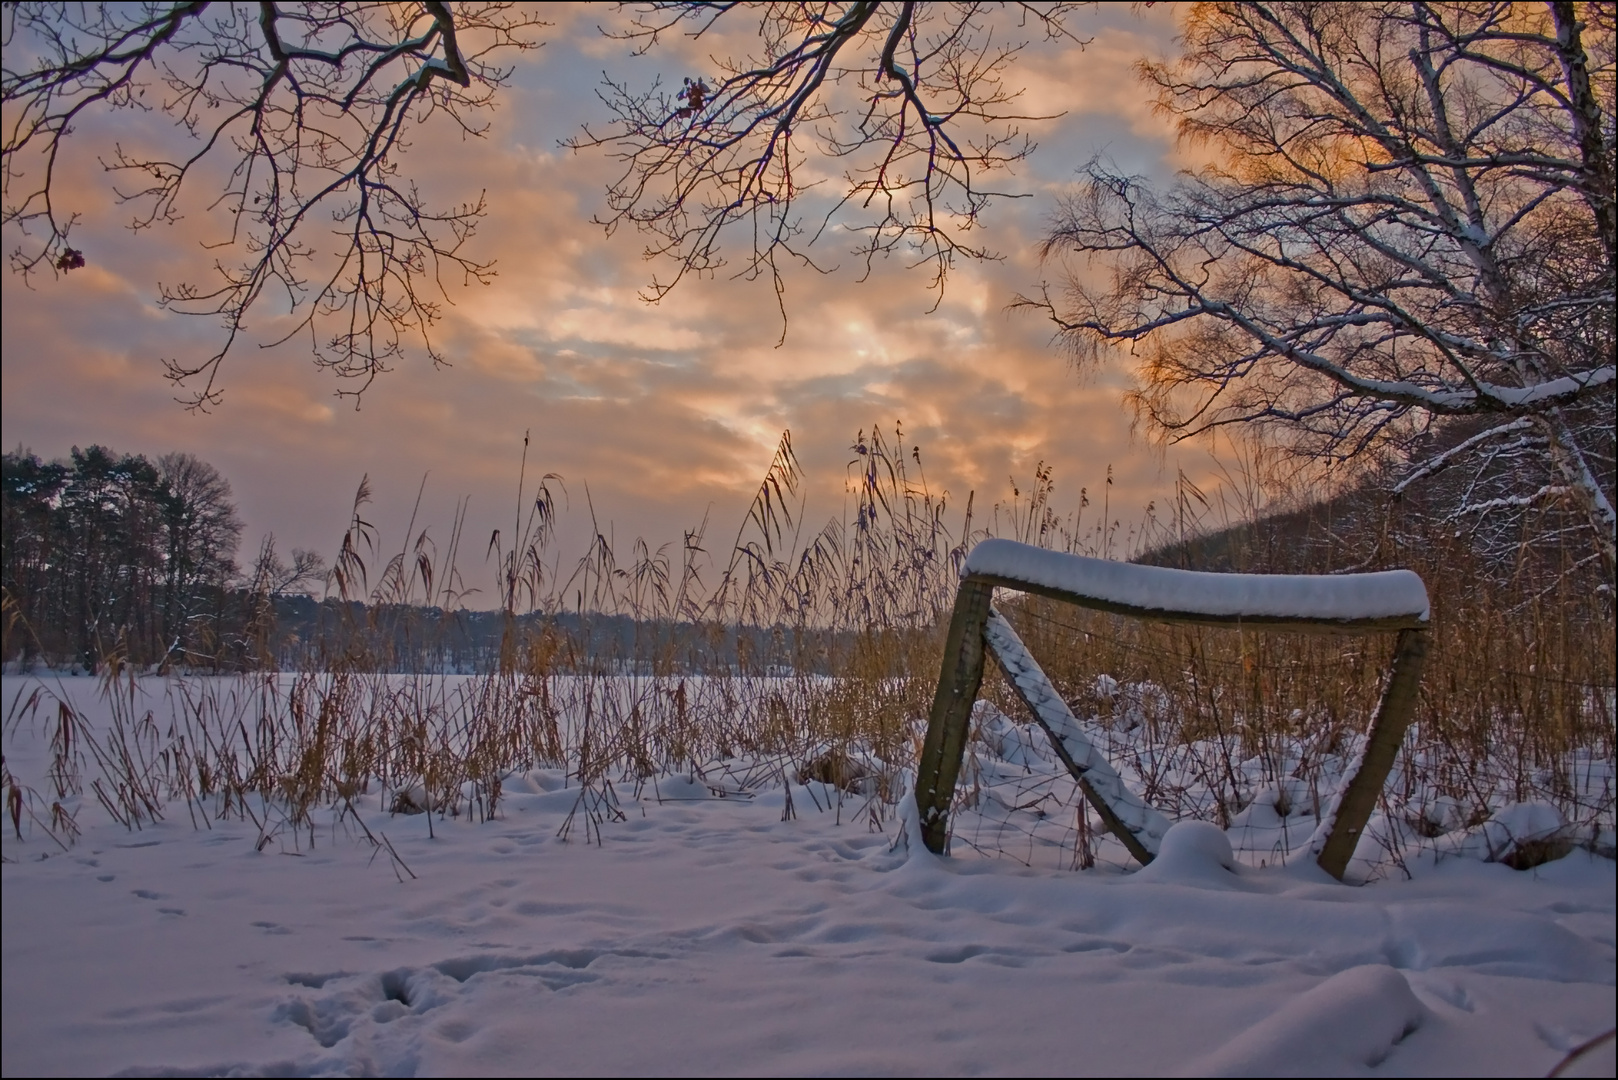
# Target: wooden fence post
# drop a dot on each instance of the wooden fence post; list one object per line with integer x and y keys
{"x": 959, "y": 677}
{"x": 1359, "y": 792}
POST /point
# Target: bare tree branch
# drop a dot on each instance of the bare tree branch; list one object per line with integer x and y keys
{"x": 909, "y": 99}
{"x": 311, "y": 106}
{"x": 1406, "y": 250}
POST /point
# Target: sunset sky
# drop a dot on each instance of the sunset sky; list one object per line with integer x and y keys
{"x": 665, "y": 412}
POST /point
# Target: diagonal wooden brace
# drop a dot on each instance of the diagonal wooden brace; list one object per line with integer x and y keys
{"x": 1125, "y": 814}
{"x": 1338, "y": 833}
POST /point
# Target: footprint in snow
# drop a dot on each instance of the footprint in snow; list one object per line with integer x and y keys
{"x": 1567, "y": 907}
{"x": 1450, "y": 993}
{"x": 988, "y": 955}
{"x": 456, "y": 1031}
{"x": 313, "y": 981}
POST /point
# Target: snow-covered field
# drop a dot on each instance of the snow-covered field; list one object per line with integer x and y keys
{"x": 709, "y": 935}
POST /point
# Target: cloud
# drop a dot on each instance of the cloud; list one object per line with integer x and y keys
{"x": 665, "y": 411}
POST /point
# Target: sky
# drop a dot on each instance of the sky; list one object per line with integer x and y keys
{"x": 655, "y": 417}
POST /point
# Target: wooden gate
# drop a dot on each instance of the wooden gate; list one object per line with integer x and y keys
{"x": 1392, "y": 601}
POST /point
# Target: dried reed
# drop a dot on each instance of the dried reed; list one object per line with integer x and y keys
{"x": 811, "y": 657}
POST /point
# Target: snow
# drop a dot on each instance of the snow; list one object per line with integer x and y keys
{"x": 1193, "y": 853}
{"x": 1552, "y": 388}
{"x": 1451, "y": 400}
{"x": 1274, "y": 802}
{"x": 1328, "y": 813}
{"x": 1598, "y": 1057}
{"x": 1511, "y": 826}
{"x": 1348, "y": 1024}
{"x": 1387, "y": 594}
{"x": 709, "y": 935}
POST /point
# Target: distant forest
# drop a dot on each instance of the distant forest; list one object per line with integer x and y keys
{"x": 115, "y": 558}
{"x": 109, "y": 554}
{"x": 112, "y": 557}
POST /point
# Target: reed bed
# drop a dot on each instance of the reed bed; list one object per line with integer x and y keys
{"x": 809, "y": 659}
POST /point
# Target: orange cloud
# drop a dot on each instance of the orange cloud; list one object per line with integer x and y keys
{"x": 663, "y": 411}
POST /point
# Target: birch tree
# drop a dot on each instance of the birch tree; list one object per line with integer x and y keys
{"x": 1406, "y": 247}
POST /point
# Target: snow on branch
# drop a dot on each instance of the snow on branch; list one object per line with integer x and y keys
{"x": 1408, "y": 223}
{"x": 1438, "y": 461}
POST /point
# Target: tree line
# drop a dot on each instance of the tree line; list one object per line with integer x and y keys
{"x": 116, "y": 558}
{"x": 113, "y": 555}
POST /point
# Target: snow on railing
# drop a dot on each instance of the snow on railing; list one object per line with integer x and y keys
{"x": 1388, "y": 596}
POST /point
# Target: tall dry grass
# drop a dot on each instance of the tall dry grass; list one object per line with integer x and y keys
{"x": 807, "y": 654}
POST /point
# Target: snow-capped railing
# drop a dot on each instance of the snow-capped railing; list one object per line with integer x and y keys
{"x": 1390, "y": 600}
{"x": 1394, "y": 600}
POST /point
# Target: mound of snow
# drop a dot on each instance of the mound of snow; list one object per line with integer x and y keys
{"x": 1520, "y": 835}
{"x": 1347, "y": 1024}
{"x": 1192, "y": 853}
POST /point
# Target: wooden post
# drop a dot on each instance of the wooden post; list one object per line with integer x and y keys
{"x": 1357, "y": 797}
{"x": 959, "y": 677}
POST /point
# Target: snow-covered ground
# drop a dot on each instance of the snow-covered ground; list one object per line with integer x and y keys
{"x": 709, "y": 935}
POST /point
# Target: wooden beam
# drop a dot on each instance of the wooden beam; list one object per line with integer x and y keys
{"x": 1356, "y": 798}
{"x": 1126, "y": 816}
{"x": 1243, "y": 622}
{"x": 959, "y": 677}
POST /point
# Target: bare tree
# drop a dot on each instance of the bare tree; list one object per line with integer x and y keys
{"x": 201, "y": 533}
{"x": 908, "y": 100}
{"x": 1407, "y": 247}
{"x": 274, "y": 577}
{"x": 310, "y": 106}
{"x": 201, "y": 523}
